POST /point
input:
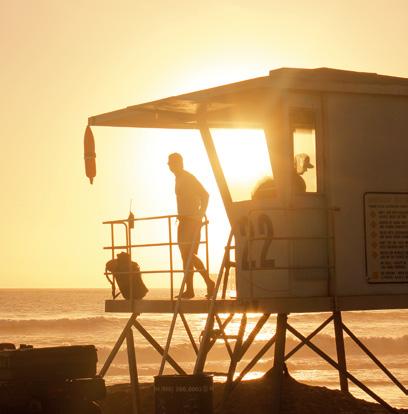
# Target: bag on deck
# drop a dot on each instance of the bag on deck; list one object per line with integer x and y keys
{"x": 124, "y": 270}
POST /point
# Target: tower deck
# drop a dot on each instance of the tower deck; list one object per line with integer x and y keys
{"x": 273, "y": 305}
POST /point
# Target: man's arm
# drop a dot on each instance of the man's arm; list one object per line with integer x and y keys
{"x": 204, "y": 201}
{"x": 203, "y": 195}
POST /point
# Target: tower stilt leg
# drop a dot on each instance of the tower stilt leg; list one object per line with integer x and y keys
{"x": 278, "y": 362}
{"x": 134, "y": 380}
{"x": 341, "y": 354}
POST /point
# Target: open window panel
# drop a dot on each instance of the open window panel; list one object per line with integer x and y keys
{"x": 244, "y": 158}
{"x": 303, "y": 127}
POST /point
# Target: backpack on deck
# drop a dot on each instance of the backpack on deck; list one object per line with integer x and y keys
{"x": 125, "y": 271}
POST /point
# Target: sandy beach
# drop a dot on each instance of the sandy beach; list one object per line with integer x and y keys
{"x": 252, "y": 397}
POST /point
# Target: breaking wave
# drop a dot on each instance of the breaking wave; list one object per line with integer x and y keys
{"x": 94, "y": 323}
{"x": 108, "y": 328}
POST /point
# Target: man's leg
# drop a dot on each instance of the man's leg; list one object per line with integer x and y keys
{"x": 184, "y": 246}
{"x": 189, "y": 287}
{"x": 199, "y": 266}
{"x": 189, "y": 232}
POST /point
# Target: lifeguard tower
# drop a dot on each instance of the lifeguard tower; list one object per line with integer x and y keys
{"x": 340, "y": 245}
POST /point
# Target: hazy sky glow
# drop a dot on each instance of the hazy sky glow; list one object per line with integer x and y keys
{"x": 62, "y": 61}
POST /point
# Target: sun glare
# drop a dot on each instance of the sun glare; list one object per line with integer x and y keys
{"x": 243, "y": 154}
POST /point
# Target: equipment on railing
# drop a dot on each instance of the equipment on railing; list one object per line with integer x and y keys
{"x": 127, "y": 276}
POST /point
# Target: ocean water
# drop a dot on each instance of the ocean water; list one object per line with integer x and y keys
{"x": 53, "y": 317}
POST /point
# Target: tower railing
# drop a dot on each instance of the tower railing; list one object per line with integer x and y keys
{"x": 129, "y": 247}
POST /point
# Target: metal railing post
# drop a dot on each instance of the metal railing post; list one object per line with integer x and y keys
{"x": 113, "y": 256}
{"x": 171, "y": 260}
{"x": 207, "y": 256}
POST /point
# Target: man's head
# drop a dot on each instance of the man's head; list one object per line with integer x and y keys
{"x": 175, "y": 163}
{"x": 302, "y": 163}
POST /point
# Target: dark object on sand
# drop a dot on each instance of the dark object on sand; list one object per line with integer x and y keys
{"x": 6, "y": 345}
{"x": 124, "y": 270}
{"x": 48, "y": 363}
{"x": 183, "y": 394}
{"x": 58, "y": 380}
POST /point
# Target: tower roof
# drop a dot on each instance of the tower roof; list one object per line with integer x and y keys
{"x": 246, "y": 103}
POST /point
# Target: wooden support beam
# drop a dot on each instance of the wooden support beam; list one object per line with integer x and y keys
{"x": 231, "y": 383}
{"x": 375, "y": 360}
{"x": 158, "y": 348}
{"x": 251, "y": 337}
{"x": 134, "y": 379}
{"x": 341, "y": 353}
{"x": 117, "y": 345}
{"x": 188, "y": 330}
{"x": 224, "y": 337}
{"x": 309, "y": 337}
{"x": 223, "y": 326}
{"x": 334, "y": 364}
{"x": 236, "y": 357}
{"x": 215, "y": 164}
{"x": 253, "y": 362}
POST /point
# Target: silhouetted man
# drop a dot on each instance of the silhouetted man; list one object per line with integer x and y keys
{"x": 192, "y": 201}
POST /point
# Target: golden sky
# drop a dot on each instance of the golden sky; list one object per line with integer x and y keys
{"x": 62, "y": 61}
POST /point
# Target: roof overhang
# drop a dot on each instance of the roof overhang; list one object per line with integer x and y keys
{"x": 246, "y": 104}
